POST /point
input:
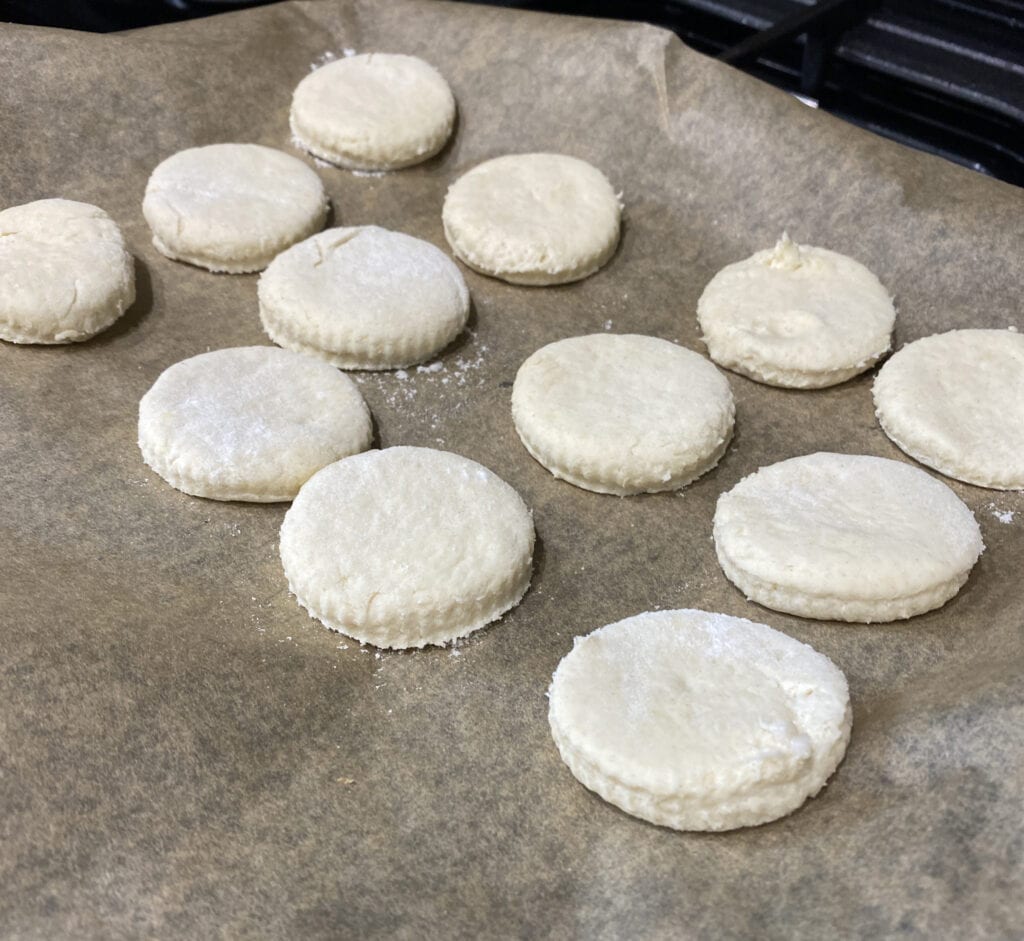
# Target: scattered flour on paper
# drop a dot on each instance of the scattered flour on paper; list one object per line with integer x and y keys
{"x": 1004, "y": 516}
{"x": 321, "y": 60}
{"x": 401, "y": 386}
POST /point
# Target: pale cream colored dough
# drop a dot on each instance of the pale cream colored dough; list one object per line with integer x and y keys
{"x": 845, "y": 537}
{"x": 699, "y": 721}
{"x": 232, "y": 207}
{"x": 375, "y": 111}
{"x": 364, "y": 298}
{"x": 797, "y": 316}
{"x": 955, "y": 402}
{"x": 533, "y": 218}
{"x": 251, "y": 423}
{"x": 622, "y": 414}
{"x": 65, "y": 273}
{"x": 407, "y": 546}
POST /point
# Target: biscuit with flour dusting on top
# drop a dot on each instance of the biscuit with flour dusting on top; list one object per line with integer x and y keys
{"x": 699, "y": 721}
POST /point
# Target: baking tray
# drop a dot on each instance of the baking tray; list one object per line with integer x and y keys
{"x": 184, "y": 753}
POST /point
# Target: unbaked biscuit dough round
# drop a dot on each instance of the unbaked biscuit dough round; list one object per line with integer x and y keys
{"x": 622, "y": 414}
{"x": 533, "y": 218}
{"x": 407, "y": 546}
{"x": 699, "y": 721}
{"x": 65, "y": 273}
{"x": 797, "y": 316}
{"x": 250, "y": 423}
{"x": 232, "y": 207}
{"x": 955, "y": 402}
{"x": 845, "y": 537}
{"x": 364, "y": 298}
{"x": 376, "y": 111}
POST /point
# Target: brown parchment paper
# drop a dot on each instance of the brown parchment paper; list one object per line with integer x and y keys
{"x": 184, "y": 753}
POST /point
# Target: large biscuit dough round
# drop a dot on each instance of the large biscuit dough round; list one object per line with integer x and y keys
{"x": 364, "y": 298}
{"x": 622, "y": 414}
{"x": 533, "y": 218}
{"x": 956, "y": 403}
{"x": 407, "y": 546}
{"x": 251, "y": 423}
{"x": 232, "y": 207}
{"x": 373, "y": 112}
{"x": 65, "y": 273}
{"x": 845, "y": 537}
{"x": 699, "y": 721}
{"x": 796, "y": 315}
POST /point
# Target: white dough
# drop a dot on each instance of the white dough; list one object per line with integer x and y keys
{"x": 699, "y": 721}
{"x": 407, "y": 546}
{"x": 955, "y": 402}
{"x": 533, "y": 218}
{"x": 250, "y": 423}
{"x": 232, "y": 207}
{"x": 376, "y": 111}
{"x": 65, "y": 273}
{"x": 845, "y": 537}
{"x": 364, "y": 298}
{"x": 622, "y": 414}
{"x": 796, "y": 315}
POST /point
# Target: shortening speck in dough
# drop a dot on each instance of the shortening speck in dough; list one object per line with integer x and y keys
{"x": 797, "y": 316}
{"x": 622, "y": 414}
{"x": 407, "y": 546}
{"x": 232, "y": 207}
{"x": 955, "y": 401}
{"x": 376, "y": 111}
{"x": 699, "y": 721}
{"x": 845, "y": 537}
{"x": 250, "y": 423}
{"x": 65, "y": 273}
{"x": 364, "y": 298}
{"x": 533, "y": 218}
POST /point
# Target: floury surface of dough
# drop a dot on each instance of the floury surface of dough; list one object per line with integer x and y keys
{"x": 955, "y": 402}
{"x": 250, "y": 423}
{"x": 845, "y": 537}
{"x": 533, "y": 218}
{"x": 232, "y": 207}
{"x": 407, "y": 546}
{"x": 364, "y": 298}
{"x": 376, "y": 111}
{"x": 796, "y": 316}
{"x": 65, "y": 273}
{"x": 622, "y": 414}
{"x": 699, "y": 721}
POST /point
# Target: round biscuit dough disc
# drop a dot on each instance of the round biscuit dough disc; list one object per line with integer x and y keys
{"x": 699, "y": 721}
{"x": 533, "y": 218}
{"x": 65, "y": 273}
{"x": 250, "y": 423}
{"x": 232, "y": 207}
{"x": 955, "y": 402}
{"x": 622, "y": 414}
{"x": 407, "y": 547}
{"x": 373, "y": 112}
{"x": 845, "y": 537}
{"x": 364, "y": 298}
{"x": 796, "y": 316}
